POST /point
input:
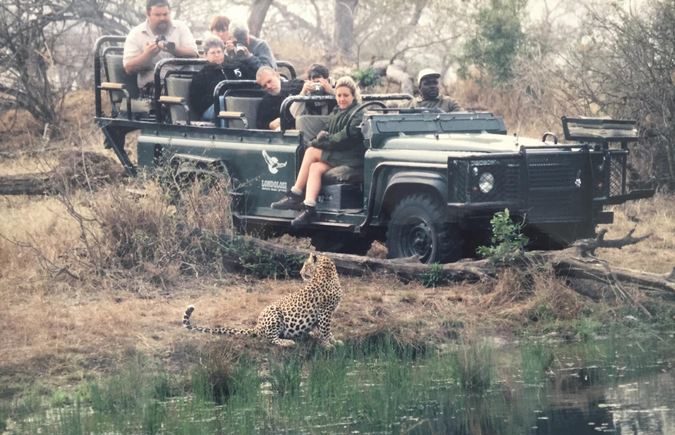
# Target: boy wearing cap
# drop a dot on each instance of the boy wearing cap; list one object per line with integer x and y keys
{"x": 430, "y": 93}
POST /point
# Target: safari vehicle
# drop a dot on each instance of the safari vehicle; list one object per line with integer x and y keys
{"x": 430, "y": 184}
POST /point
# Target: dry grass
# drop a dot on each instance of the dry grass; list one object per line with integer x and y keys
{"x": 40, "y": 222}
{"x": 533, "y": 294}
{"x": 655, "y": 216}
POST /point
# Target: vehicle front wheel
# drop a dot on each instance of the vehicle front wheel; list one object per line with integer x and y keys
{"x": 419, "y": 227}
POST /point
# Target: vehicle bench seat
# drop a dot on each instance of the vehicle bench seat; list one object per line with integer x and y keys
{"x": 178, "y": 85}
{"x": 247, "y": 105}
{"x": 114, "y": 70}
{"x": 342, "y": 174}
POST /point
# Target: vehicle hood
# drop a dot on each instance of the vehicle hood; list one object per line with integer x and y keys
{"x": 462, "y": 143}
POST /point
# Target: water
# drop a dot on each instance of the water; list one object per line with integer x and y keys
{"x": 613, "y": 386}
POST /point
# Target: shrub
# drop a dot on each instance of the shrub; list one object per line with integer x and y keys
{"x": 434, "y": 276}
{"x": 508, "y": 242}
{"x": 365, "y": 77}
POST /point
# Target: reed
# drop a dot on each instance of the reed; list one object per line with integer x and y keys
{"x": 466, "y": 390}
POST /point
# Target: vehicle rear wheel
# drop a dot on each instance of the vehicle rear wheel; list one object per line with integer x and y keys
{"x": 419, "y": 227}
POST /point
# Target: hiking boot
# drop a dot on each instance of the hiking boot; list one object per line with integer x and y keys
{"x": 289, "y": 202}
{"x": 305, "y": 217}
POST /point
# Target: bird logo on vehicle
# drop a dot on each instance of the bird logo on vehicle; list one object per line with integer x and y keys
{"x": 273, "y": 164}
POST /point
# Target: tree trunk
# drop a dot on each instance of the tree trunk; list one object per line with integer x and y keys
{"x": 343, "y": 35}
{"x": 256, "y": 16}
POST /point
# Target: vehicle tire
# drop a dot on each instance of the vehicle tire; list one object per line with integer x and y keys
{"x": 418, "y": 227}
{"x": 341, "y": 243}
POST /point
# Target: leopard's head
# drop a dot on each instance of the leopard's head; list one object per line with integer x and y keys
{"x": 315, "y": 263}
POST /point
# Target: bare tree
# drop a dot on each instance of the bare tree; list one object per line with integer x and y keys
{"x": 257, "y": 14}
{"x": 343, "y": 31}
{"x": 45, "y": 46}
{"x": 624, "y": 67}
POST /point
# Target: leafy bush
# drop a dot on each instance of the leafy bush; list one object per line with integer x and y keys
{"x": 366, "y": 77}
{"x": 508, "y": 242}
{"x": 496, "y": 41}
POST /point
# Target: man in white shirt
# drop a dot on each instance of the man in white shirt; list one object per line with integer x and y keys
{"x": 155, "y": 39}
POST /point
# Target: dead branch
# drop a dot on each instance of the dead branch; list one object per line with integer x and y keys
{"x": 587, "y": 247}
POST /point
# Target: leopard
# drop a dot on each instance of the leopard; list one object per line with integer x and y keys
{"x": 297, "y": 314}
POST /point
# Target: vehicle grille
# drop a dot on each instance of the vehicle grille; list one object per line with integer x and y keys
{"x": 553, "y": 192}
{"x": 459, "y": 171}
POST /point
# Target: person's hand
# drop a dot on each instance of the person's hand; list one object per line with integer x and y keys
{"x": 307, "y": 88}
{"x": 325, "y": 84}
{"x": 323, "y": 134}
{"x": 152, "y": 48}
{"x": 276, "y": 124}
{"x": 229, "y": 47}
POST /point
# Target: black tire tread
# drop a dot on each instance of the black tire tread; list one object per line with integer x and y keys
{"x": 450, "y": 246}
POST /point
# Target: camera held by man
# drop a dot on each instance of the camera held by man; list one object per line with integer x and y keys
{"x": 240, "y": 38}
{"x": 165, "y": 45}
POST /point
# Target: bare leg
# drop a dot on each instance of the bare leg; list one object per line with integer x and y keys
{"x": 316, "y": 170}
{"x": 312, "y": 155}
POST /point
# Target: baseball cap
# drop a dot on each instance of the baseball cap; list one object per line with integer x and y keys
{"x": 427, "y": 72}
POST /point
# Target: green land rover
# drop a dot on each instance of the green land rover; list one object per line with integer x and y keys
{"x": 430, "y": 183}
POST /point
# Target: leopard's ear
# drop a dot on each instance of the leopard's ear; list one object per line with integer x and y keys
{"x": 313, "y": 257}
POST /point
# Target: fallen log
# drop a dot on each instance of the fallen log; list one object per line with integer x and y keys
{"x": 33, "y": 184}
{"x": 356, "y": 265}
{"x": 74, "y": 169}
{"x": 566, "y": 264}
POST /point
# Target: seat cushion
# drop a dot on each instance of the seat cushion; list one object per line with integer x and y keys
{"x": 343, "y": 175}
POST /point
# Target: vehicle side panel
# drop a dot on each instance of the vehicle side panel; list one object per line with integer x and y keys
{"x": 261, "y": 167}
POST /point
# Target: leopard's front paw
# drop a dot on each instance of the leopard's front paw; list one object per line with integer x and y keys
{"x": 283, "y": 342}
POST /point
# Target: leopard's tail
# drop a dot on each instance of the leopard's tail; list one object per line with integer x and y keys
{"x": 219, "y": 331}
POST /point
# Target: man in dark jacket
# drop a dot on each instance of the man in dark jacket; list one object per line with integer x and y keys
{"x": 218, "y": 69}
{"x": 268, "y": 117}
{"x": 253, "y": 51}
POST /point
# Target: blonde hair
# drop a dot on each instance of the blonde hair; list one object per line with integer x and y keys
{"x": 349, "y": 82}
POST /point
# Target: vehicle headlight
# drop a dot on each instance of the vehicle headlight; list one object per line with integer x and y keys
{"x": 486, "y": 182}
